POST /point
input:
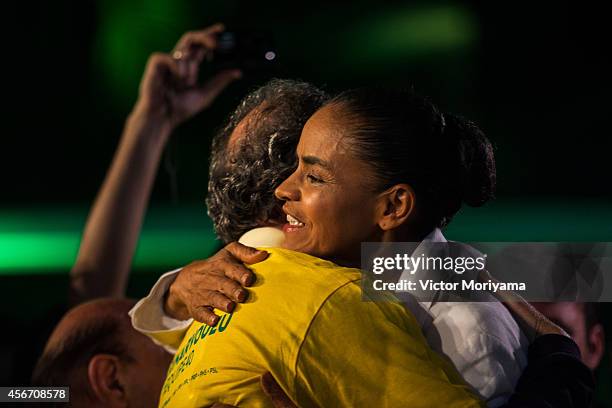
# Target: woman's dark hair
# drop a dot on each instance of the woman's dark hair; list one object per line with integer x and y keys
{"x": 446, "y": 159}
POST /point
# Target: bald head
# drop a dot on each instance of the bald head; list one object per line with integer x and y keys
{"x": 96, "y": 352}
{"x": 86, "y": 330}
{"x": 87, "y": 318}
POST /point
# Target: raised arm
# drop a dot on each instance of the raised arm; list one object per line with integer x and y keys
{"x": 169, "y": 95}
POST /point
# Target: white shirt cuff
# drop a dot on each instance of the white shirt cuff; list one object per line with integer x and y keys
{"x": 148, "y": 315}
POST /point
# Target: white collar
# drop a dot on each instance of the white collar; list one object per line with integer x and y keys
{"x": 435, "y": 236}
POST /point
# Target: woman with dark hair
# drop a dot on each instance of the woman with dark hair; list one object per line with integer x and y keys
{"x": 373, "y": 166}
{"x": 373, "y": 150}
{"x": 387, "y": 166}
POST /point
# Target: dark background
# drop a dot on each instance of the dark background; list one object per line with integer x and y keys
{"x": 533, "y": 74}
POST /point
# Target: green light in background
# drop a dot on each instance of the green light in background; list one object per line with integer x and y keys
{"x": 128, "y": 32}
{"x": 43, "y": 251}
{"x": 409, "y": 33}
{"x": 53, "y": 252}
{"x": 45, "y": 241}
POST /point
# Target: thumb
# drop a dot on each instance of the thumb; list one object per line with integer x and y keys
{"x": 245, "y": 253}
{"x": 275, "y": 392}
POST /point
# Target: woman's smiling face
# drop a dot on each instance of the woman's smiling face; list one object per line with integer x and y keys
{"x": 330, "y": 199}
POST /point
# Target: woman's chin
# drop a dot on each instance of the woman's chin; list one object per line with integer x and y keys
{"x": 295, "y": 238}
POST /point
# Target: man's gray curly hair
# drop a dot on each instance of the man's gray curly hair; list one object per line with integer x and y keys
{"x": 244, "y": 175}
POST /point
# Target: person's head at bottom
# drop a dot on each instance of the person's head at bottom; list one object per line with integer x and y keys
{"x": 379, "y": 165}
{"x": 581, "y": 321}
{"x": 106, "y": 363}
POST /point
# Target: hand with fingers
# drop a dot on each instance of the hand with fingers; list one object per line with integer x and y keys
{"x": 169, "y": 89}
{"x": 533, "y": 323}
{"x": 216, "y": 282}
{"x": 169, "y": 94}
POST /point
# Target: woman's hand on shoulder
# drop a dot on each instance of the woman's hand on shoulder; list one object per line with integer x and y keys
{"x": 216, "y": 282}
{"x": 533, "y": 323}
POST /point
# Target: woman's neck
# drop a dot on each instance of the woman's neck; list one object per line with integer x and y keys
{"x": 407, "y": 234}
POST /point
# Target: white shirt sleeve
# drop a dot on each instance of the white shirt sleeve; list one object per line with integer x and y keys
{"x": 484, "y": 343}
{"x": 149, "y": 318}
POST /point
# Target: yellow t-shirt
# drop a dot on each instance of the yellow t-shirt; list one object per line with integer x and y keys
{"x": 307, "y": 324}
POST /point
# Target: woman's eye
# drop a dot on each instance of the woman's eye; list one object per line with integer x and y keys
{"x": 313, "y": 179}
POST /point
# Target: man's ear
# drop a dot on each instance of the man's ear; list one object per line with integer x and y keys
{"x": 104, "y": 377}
{"x": 396, "y": 205}
{"x": 596, "y": 344}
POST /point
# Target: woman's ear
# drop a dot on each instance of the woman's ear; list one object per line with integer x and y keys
{"x": 103, "y": 372}
{"x": 396, "y": 206}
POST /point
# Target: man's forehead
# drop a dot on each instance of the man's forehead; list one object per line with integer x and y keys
{"x": 565, "y": 310}
{"x": 246, "y": 125}
{"x": 81, "y": 316}
{"x": 238, "y": 134}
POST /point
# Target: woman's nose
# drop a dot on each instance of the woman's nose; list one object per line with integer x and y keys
{"x": 287, "y": 191}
